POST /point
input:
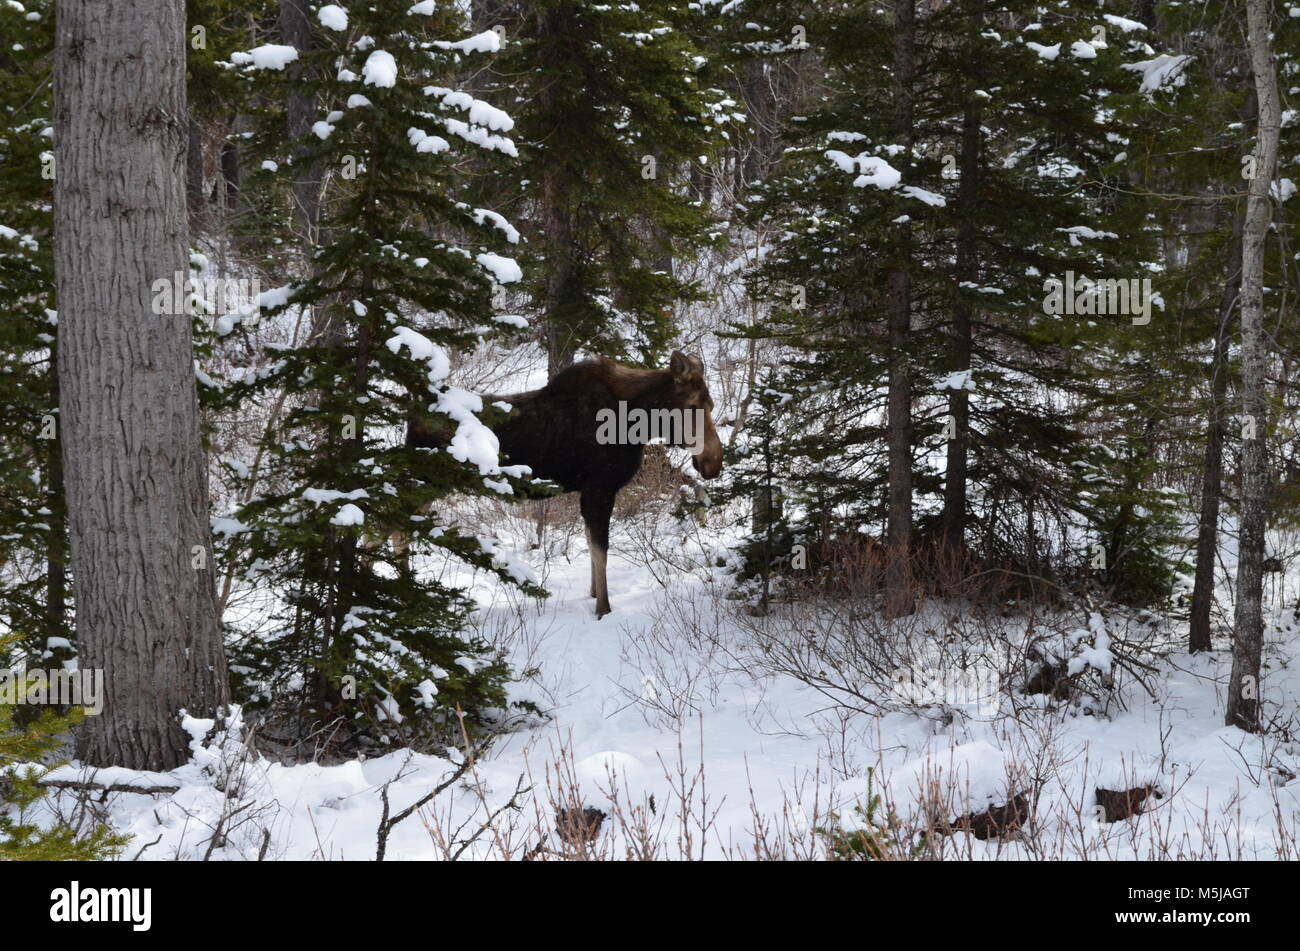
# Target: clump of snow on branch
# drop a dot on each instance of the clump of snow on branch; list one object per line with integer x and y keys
{"x": 422, "y": 348}
{"x": 871, "y": 169}
{"x": 380, "y": 70}
{"x": 488, "y": 41}
{"x": 333, "y": 17}
{"x": 504, "y": 270}
{"x": 1166, "y": 69}
{"x": 270, "y": 56}
{"x": 1096, "y": 655}
{"x": 473, "y": 443}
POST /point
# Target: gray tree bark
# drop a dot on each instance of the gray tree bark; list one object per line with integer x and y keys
{"x": 1248, "y": 640}
{"x": 134, "y": 465}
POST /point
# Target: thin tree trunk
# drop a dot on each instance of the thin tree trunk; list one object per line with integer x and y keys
{"x": 899, "y": 523}
{"x": 195, "y": 196}
{"x": 1207, "y": 538}
{"x": 559, "y": 340}
{"x": 230, "y": 177}
{"x": 136, "y": 477}
{"x": 300, "y": 112}
{"x": 484, "y": 15}
{"x": 757, "y": 91}
{"x": 56, "y": 569}
{"x": 558, "y": 225}
{"x": 1248, "y": 641}
{"x": 955, "y": 477}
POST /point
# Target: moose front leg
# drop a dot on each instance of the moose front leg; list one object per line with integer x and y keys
{"x": 597, "y": 507}
{"x": 591, "y": 547}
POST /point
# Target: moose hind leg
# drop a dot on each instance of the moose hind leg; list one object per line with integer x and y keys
{"x": 597, "y": 507}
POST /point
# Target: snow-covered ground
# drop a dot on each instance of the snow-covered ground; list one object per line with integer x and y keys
{"x": 674, "y": 718}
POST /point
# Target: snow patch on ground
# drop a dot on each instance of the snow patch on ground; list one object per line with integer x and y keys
{"x": 641, "y": 709}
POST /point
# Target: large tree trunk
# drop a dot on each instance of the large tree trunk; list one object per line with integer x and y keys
{"x": 898, "y": 528}
{"x": 955, "y": 477}
{"x": 135, "y": 472}
{"x": 1207, "y": 538}
{"x": 1248, "y": 641}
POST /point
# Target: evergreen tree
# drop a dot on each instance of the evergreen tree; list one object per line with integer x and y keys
{"x": 753, "y": 473}
{"x": 1199, "y": 162}
{"x": 613, "y": 116}
{"x": 406, "y": 278}
{"x": 1008, "y": 180}
{"x": 21, "y": 748}
{"x": 33, "y": 534}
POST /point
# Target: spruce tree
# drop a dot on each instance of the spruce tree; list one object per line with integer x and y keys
{"x": 613, "y": 115}
{"x": 406, "y": 278}
{"x": 1200, "y": 165}
{"x": 33, "y": 535}
{"x": 26, "y": 751}
{"x": 1008, "y": 179}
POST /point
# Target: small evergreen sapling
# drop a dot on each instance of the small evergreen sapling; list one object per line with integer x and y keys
{"x": 22, "y": 748}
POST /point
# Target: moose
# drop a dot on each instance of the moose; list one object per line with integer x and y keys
{"x": 562, "y": 432}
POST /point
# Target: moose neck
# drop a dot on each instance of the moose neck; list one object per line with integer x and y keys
{"x": 641, "y": 389}
{"x": 656, "y": 394}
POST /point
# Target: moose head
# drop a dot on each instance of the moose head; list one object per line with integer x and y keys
{"x": 690, "y": 393}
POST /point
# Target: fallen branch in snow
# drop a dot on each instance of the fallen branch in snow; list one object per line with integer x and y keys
{"x": 106, "y": 789}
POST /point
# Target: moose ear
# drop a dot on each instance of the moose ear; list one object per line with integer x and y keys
{"x": 679, "y": 364}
